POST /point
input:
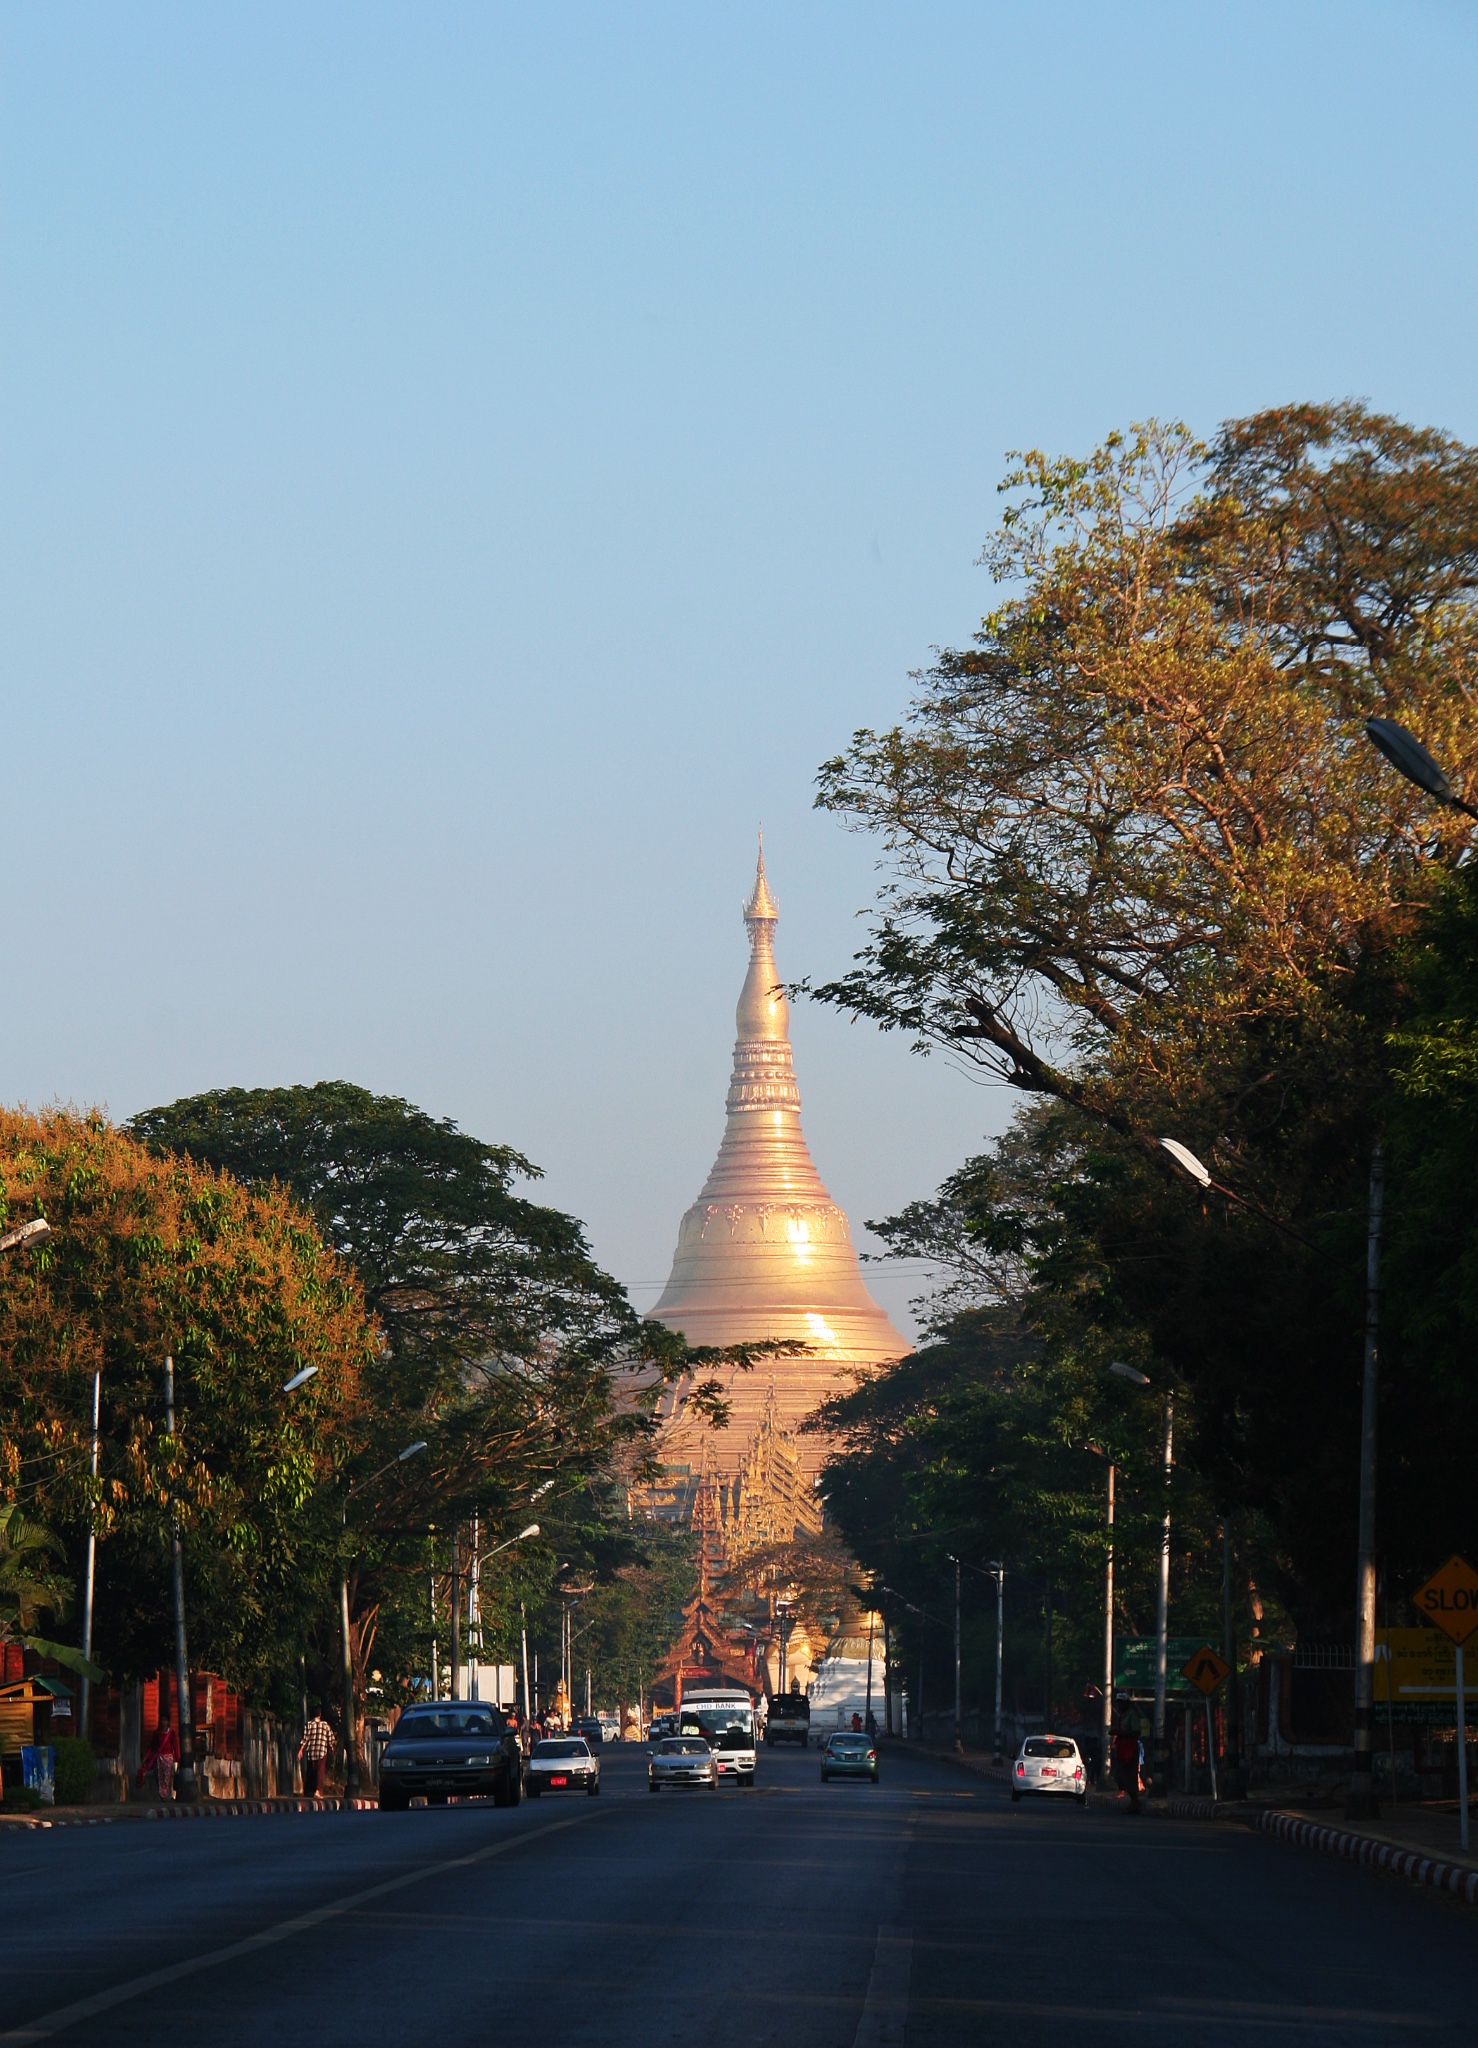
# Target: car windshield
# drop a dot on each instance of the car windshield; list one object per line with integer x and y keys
{"x": 676, "y": 1746}
{"x": 435, "y": 1725}
{"x": 1048, "y": 1745}
{"x": 559, "y": 1752}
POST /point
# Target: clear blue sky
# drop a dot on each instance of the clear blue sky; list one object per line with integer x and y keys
{"x": 462, "y": 467}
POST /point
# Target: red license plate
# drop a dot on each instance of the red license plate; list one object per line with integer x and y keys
{"x": 559, "y": 1781}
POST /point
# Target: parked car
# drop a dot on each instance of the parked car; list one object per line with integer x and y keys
{"x": 682, "y": 1760}
{"x": 1050, "y": 1764}
{"x": 849, "y": 1756}
{"x": 562, "y": 1763}
{"x": 447, "y": 1749}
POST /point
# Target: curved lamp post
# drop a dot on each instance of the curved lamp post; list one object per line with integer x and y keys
{"x": 1410, "y": 758}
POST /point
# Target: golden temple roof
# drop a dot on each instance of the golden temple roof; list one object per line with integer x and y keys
{"x": 765, "y": 1252}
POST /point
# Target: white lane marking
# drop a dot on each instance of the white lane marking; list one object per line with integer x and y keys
{"x": 885, "y": 2009}
{"x": 51, "y": 2023}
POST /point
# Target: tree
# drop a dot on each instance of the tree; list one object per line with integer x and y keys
{"x": 149, "y": 1255}
{"x": 1140, "y": 845}
{"x": 505, "y": 1346}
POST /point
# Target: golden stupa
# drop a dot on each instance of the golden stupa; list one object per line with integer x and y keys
{"x": 765, "y": 1251}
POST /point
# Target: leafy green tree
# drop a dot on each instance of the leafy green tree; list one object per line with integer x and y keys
{"x": 148, "y": 1256}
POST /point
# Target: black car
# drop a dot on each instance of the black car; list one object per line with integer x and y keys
{"x": 591, "y": 1729}
{"x": 450, "y": 1747}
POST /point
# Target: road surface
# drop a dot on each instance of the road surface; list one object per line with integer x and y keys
{"x": 927, "y": 1911}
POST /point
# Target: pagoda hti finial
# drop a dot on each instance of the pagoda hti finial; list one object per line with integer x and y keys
{"x": 761, "y": 907}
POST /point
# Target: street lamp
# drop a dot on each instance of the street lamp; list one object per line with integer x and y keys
{"x": 299, "y": 1379}
{"x": 1410, "y": 758}
{"x": 959, "y": 1743}
{"x": 997, "y": 1571}
{"x": 1159, "y": 1783}
{"x": 1362, "y": 1805}
{"x": 1094, "y": 1450}
{"x": 351, "y": 1746}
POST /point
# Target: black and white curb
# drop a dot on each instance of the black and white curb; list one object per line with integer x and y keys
{"x": 1458, "y": 1880}
{"x": 231, "y": 1809}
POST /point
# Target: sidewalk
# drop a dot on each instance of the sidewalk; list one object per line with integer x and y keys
{"x": 204, "y": 1809}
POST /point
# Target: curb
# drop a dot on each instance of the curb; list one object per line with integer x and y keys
{"x": 214, "y": 1809}
{"x": 232, "y": 1809}
{"x": 1458, "y": 1880}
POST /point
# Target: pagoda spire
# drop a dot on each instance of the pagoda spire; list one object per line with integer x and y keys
{"x": 765, "y": 1252}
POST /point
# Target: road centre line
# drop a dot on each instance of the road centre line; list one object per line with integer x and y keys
{"x": 49, "y": 2024}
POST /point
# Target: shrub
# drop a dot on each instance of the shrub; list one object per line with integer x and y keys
{"x": 76, "y": 1769}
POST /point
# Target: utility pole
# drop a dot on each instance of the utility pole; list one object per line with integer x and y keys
{"x": 1362, "y": 1801}
{"x": 85, "y": 1703}
{"x": 523, "y": 1630}
{"x": 1160, "y": 1781}
{"x": 1232, "y": 1786}
{"x": 346, "y": 1675}
{"x": 474, "y": 1618}
{"x": 456, "y": 1612}
{"x": 959, "y": 1739}
{"x": 1108, "y": 1640}
{"x": 1047, "y": 1655}
{"x": 187, "y": 1789}
{"x": 998, "y": 1571}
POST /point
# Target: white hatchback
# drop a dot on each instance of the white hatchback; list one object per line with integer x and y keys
{"x": 1049, "y": 1763}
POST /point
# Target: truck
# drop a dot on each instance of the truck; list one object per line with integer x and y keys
{"x": 789, "y": 1719}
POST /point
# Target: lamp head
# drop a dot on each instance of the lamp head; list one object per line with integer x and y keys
{"x": 1186, "y": 1159}
{"x": 1121, "y": 1371}
{"x": 1409, "y": 757}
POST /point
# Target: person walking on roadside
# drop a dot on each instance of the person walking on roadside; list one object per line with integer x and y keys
{"x": 314, "y": 1751}
{"x": 1127, "y": 1754}
{"x": 162, "y": 1756}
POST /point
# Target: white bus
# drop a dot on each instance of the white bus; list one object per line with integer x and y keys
{"x": 724, "y": 1717}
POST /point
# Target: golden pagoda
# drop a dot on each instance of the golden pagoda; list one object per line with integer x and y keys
{"x": 765, "y": 1252}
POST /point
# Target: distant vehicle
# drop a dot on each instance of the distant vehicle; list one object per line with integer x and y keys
{"x": 849, "y": 1756}
{"x": 682, "y": 1760}
{"x": 610, "y": 1726}
{"x": 447, "y": 1749}
{"x": 592, "y": 1729}
{"x": 1050, "y": 1764}
{"x": 725, "y": 1720}
{"x": 563, "y": 1763}
{"x": 790, "y": 1719}
{"x": 662, "y": 1725}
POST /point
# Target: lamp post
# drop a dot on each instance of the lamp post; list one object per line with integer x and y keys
{"x": 1414, "y": 762}
{"x": 187, "y": 1789}
{"x": 998, "y": 1573}
{"x": 959, "y": 1741}
{"x": 1108, "y": 1613}
{"x": 1160, "y": 1778}
{"x": 351, "y": 1745}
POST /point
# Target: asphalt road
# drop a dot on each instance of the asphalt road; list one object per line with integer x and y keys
{"x": 929, "y": 1910}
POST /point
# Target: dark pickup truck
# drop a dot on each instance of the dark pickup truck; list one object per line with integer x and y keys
{"x": 789, "y": 1719}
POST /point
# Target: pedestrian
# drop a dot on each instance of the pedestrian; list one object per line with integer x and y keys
{"x": 856, "y": 1724}
{"x": 1128, "y": 1756}
{"x": 161, "y": 1757}
{"x": 314, "y": 1751}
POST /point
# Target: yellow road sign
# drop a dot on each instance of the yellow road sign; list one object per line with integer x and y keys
{"x": 1205, "y": 1670}
{"x": 1449, "y": 1600}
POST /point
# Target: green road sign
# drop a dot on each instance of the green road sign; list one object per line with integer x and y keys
{"x": 1134, "y": 1665}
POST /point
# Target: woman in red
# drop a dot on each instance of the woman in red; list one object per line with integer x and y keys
{"x": 163, "y": 1754}
{"x": 1126, "y": 1758}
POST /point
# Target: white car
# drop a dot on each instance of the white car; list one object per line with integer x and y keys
{"x": 561, "y": 1764}
{"x": 681, "y": 1760}
{"x": 1051, "y": 1764}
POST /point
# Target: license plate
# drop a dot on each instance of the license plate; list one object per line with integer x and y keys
{"x": 559, "y": 1781}
{"x": 1048, "y": 1771}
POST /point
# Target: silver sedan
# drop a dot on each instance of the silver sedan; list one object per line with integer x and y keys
{"x": 682, "y": 1760}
